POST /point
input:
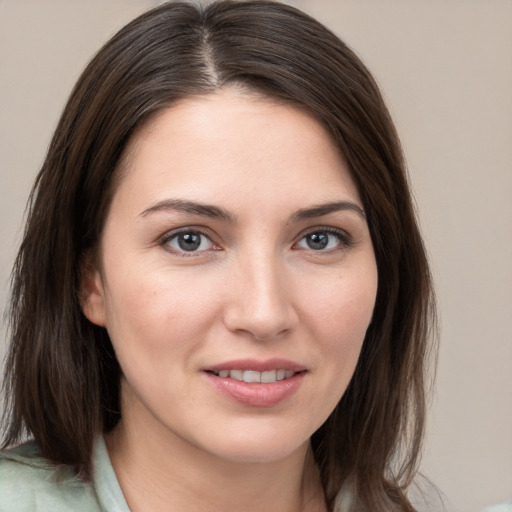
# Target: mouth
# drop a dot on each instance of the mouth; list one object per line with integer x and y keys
{"x": 253, "y": 376}
{"x": 256, "y": 383}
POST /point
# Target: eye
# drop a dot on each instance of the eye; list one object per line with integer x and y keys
{"x": 189, "y": 241}
{"x": 324, "y": 240}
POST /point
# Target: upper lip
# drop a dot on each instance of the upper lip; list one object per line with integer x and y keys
{"x": 257, "y": 365}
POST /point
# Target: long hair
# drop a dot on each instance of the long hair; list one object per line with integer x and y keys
{"x": 62, "y": 376}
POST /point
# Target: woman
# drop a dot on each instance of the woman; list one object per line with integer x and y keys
{"x": 222, "y": 298}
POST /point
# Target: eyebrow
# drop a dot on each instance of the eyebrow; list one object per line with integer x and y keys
{"x": 327, "y": 208}
{"x": 216, "y": 212}
{"x": 191, "y": 207}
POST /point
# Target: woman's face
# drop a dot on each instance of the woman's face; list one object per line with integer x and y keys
{"x": 237, "y": 277}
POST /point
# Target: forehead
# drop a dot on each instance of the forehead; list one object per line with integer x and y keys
{"x": 234, "y": 145}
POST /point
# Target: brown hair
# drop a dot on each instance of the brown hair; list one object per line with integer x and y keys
{"x": 62, "y": 377}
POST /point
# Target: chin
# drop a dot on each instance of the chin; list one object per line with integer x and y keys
{"x": 256, "y": 446}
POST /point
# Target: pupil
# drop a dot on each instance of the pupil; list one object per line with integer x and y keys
{"x": 189, "y": 241}
{"x": 318, "y": 240}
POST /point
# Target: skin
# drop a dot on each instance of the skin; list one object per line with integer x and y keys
{"x": 255, "y": 288}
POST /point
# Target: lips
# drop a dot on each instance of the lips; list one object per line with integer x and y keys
{"x": 257, "y": 365}
{"x": 257, "y": 383}
{"x": 248, "y": 376}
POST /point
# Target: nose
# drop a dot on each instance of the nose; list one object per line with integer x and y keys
{"x": 260, "y": 301}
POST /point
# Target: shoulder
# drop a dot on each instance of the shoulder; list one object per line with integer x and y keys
{"x": 29, "y": 483}
{"x": 503, "y": 507}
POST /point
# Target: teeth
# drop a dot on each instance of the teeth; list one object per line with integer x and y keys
{"x": 270, "y": 376}
{"x": 236, "y": 374}
{"x": 251, "y": 376}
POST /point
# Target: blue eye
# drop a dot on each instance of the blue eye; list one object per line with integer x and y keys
{"x": 322, "y": 240}
{"x": 189, "y": 241}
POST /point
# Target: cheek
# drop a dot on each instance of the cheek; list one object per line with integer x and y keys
{"x": 343, "y": 307}
{"x": 338, "y": 317}
{"x": 154, "y": 312}
{"x": 336, "y": 312}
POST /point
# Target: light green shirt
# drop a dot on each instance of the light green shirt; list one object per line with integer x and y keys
{"x": 29, "y": 484}
{"x": 502, "y": 507}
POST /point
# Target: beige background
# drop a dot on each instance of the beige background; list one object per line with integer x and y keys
{"x": 446, "y": 70}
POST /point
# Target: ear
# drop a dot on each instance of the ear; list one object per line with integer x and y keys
{"x": 92, "y": 294}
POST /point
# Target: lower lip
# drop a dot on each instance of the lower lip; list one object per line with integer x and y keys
{"x": 257, "y": 394}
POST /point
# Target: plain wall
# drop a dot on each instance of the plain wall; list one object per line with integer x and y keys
{"x": 446, "y": 70}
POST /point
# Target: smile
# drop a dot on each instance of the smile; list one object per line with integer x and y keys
{"x": 252, "y": 388}
{"x": 252, "y": 376}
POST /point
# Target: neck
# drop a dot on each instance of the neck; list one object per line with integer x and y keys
{"x": 162, "y": 472}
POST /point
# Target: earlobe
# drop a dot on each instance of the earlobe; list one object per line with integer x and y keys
{"x": 92, "y": 295}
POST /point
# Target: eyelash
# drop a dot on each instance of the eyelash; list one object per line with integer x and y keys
{"x": 167, "y": 238}
{"x": 344, "y": 240}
